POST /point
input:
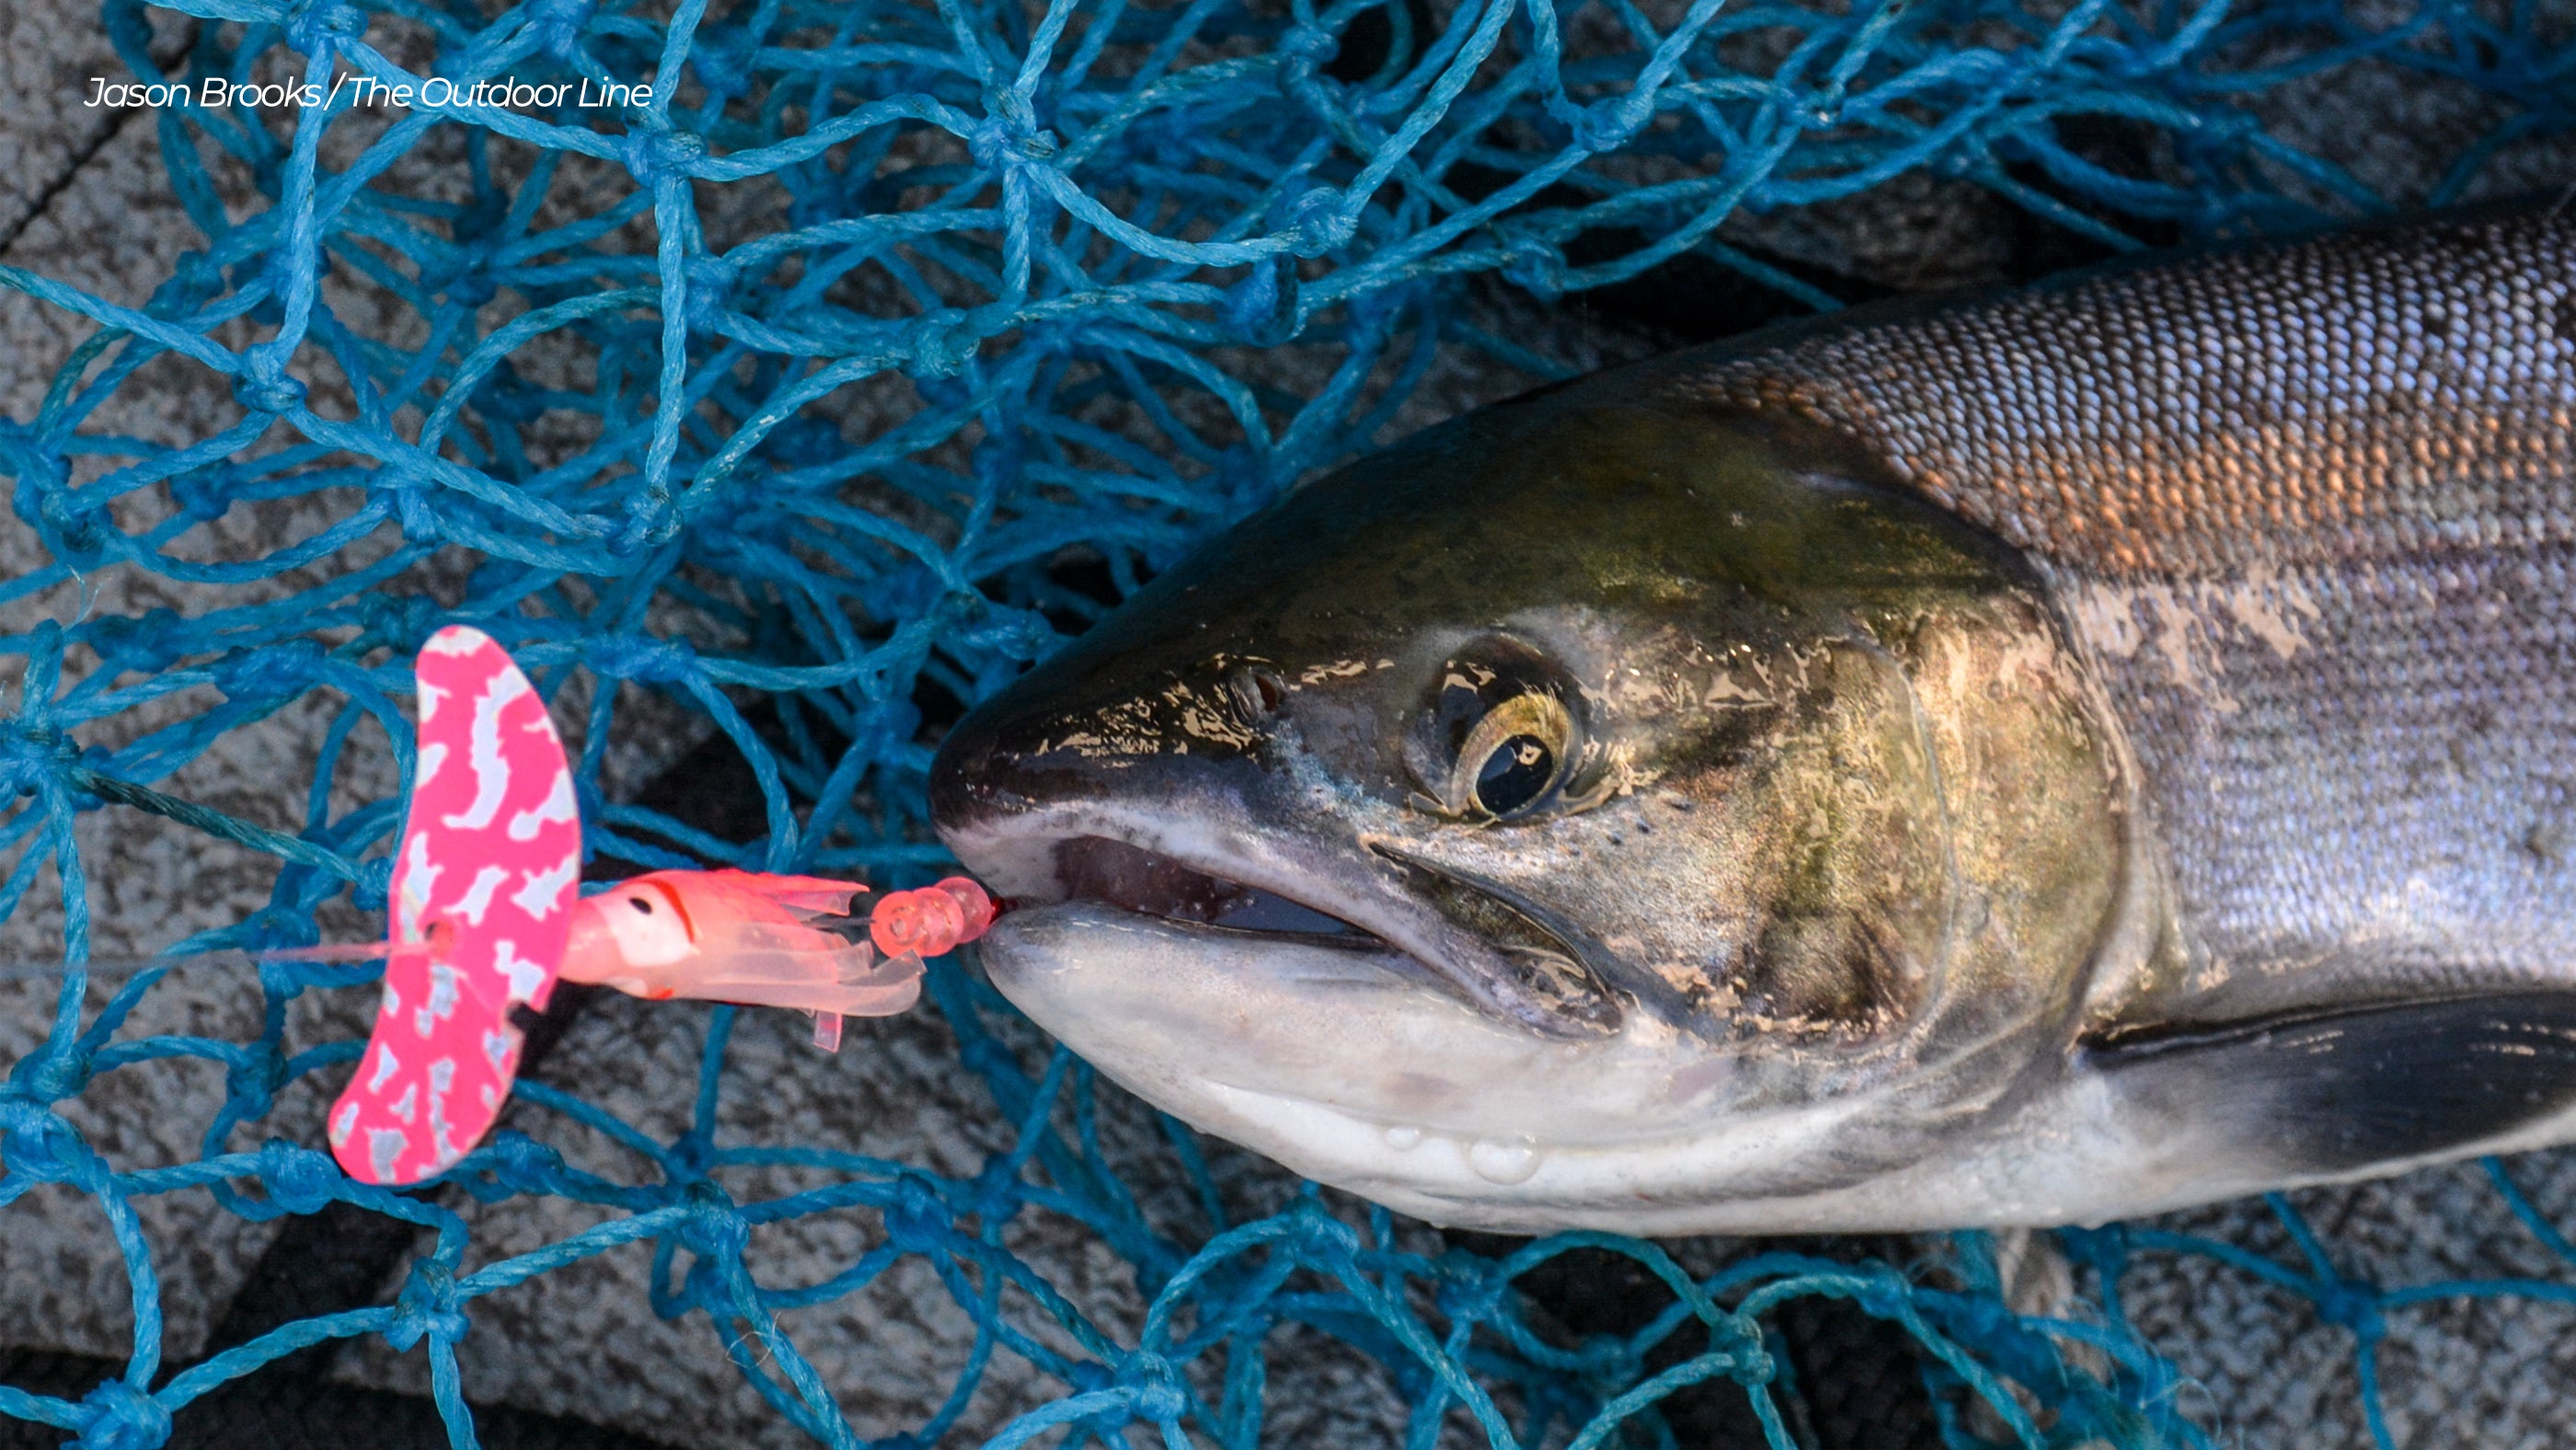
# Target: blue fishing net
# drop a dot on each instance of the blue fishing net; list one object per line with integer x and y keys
{"x": 839, "y": 339}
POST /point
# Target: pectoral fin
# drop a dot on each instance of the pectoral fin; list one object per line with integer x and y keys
{"x": 2325, "y": 1092}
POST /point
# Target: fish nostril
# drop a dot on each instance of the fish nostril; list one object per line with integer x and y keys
{"x": 1261, "y": 691}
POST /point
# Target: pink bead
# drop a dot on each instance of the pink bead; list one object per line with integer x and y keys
{"x": 927, "y": 923}
{"x": 971, "y": 899}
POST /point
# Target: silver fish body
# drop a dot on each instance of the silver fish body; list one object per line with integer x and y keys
{"x": 2032, "y": 758}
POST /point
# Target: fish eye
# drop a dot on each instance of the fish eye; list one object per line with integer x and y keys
{"x": 1497, "y": 737}
{"x": 1514, "y": 774}
{"x": 1512, "y": 756}
{"x": 642, "y": 906}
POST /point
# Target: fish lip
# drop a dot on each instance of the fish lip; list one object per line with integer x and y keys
{"x": 1447, "y": 955}
{"x": 1367, "y": 959}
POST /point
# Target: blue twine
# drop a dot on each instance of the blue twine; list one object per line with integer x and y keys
{"x": 1026, "y": 224}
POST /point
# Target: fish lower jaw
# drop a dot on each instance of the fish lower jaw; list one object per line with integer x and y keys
{"x": 1367, "y": 1079}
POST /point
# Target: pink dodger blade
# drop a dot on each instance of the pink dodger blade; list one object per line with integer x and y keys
{"x": 482, "y": 903}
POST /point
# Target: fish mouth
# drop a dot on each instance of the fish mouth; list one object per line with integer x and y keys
{"x": 1133, "y": 878}
{"x": 1303, "y": 1023}
{"x": 1379, "y": 910}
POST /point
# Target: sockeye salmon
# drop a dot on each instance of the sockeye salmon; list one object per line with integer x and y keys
{"x": 2026, "y": 759}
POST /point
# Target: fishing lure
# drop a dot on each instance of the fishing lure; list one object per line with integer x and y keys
{"x": 733, "y": 936}
{"x": 486, "y": 919}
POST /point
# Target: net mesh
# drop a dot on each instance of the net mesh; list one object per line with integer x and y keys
{"x": 829, "y": 344}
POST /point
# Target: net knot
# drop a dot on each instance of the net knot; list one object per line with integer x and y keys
{"x": 266, "y": 389}
{"x": 1471, "y": 1291}
{"x": 2104, "y": 1249}
{"x": 201, "y": 274}
{"x": 1302, "y": 52}
{"x": 917, "y": 1221}
{"x": 1981, "y": 1319}
{"x": 1738, "y": 1340}
{"x": 2353, "y": 1304}
{"x": 37, "y": 1145}
{"x": 313, "y": 24}
{"x": 403, "y": 621}
{"x": 74, "y": 532}
{"x": 251, "y": 1084}
{"x": 654, "y": 155}
{"x": 1262, "y": 309}
{"x": 1537, "y": 266}
{"x": 31, "y": 754}
{"x": 1011, "y": 138}
{"x": 939, "y": 343}
{"x": 1607, "y": 125}
{"x": 1090, "y": 1377}
{"x": 299, "y": 1180}
{"x": 406, "y": 492}
{"x": 1156, "y": 1384}
{"x": 557, "y": 24}
{"x": 1882, "y": 1298}
{"x": 205, "y": 494}
{"x": 1318, "y": 222}
{"x": 117, "y": 1416}
{"x": 1321, "y": 1236}
{"x": 280, "y": 926}
{"x": 1015, "y": 634}
{"x": 511, "y": 1163}
{"x": 270, "y": 672}
{"x": 374, "y": 885}
{"x": 471, "y": 284}
{"x": 690, "y": 1156}
{"x": 428, "y": 1307}
{"x": 649, "y": 523}
{"x": 715, "y": 1230}
{"x": 711, "y": 280}
{"x": 998, "y": 1193}
{"x": 148, "y": 644}
{"x": 642, "y": 658}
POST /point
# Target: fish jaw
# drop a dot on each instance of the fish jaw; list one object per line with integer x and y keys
{"x": 1346, "y": 1066}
